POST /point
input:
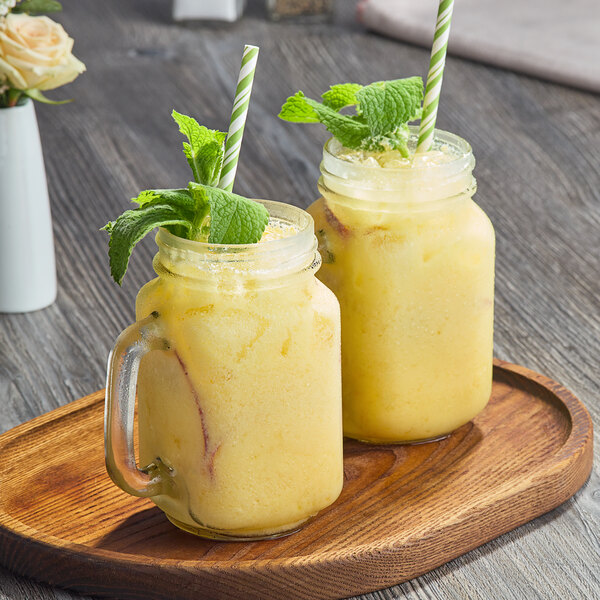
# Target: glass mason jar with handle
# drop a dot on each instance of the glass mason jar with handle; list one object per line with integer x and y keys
{"x": 236, "y": 354}
{"x": 410, "y": 257}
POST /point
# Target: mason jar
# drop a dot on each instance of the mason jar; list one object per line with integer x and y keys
{"x": 410, "y": 258}
{"x": 239, "y": 385}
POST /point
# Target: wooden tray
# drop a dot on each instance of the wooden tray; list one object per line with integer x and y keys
{"x": 404, "y": 510}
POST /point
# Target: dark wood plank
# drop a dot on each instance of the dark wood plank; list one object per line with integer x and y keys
{"x": 537, "y": 146}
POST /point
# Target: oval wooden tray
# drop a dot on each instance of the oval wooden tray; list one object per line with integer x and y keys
{"x": 404, "y": 510}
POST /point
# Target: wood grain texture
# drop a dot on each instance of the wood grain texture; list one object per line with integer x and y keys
{"x": 538, "y": 150}
{"x": 403, "y": 510}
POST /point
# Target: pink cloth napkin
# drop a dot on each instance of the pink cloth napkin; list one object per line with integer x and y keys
{"x": 558, "y": 40}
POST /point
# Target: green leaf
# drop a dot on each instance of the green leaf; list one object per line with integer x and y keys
{"x": 349, "y": 130}
{"x": 387, "y": 105}
{"x": 180, "y": 199}
{"x": 341, "y": 95}
{"x": 146, "y": 198}
{"x": 192, "y": 204}
{"x": 205, "y": 149}
{"x": 131, "y": 227}
{"x": 296, "y": 109}
{"x": 233, "y": 219}
{"x": 37, "y": 95}
{"x": 37, "y": 7}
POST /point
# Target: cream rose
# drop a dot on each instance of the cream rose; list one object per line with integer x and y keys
{"x": 35, "y": 52}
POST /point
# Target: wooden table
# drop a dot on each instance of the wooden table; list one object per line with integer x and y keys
{"x": 538, "y": 151}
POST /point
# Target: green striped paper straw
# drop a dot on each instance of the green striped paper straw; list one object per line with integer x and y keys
{"x": 233, "y": 142}
{"x": 434, "y": 77}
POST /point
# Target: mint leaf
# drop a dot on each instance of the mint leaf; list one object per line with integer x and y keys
{"x": 131, "y": 227}
{"x": 233, "y": 219}
{"x": 179, "y": 199}
{"x": 349, "y": 130}
{"x": 37, "y": 7}
{"x": 296, "y": 109}
{"x": 146, "y": 198}
{"x": 341, "y": 95}
{"x": 205, "y": 149}
{"x": 387, "y": 105}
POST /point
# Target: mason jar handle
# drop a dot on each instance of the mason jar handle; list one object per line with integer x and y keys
{"x": 121, "y": 383}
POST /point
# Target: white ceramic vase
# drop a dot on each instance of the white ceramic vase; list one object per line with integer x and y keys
{"x": 27, "y": 269}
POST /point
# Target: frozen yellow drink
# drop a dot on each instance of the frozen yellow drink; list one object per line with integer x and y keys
{"x": 410, "y": 257}
{"x": 240, "y": 409}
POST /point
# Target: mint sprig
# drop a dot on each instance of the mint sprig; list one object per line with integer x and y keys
{"x": 341, "y": 95}
{"x": 200, "y": 212}
{"x": 382, "y": 111}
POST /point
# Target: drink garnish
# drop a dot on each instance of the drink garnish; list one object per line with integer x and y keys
{"x": 200, "y": 212}
{"x": 383, "y": 110}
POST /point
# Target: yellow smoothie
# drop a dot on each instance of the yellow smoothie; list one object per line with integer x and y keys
{"x": 410, "y": 257}
{"x": 242, "y": 409}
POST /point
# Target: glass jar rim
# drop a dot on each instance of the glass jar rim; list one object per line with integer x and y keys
{"x": 402, "y": 188}
{"x": 276, "y": 257}
{"x": 462, "y": 156}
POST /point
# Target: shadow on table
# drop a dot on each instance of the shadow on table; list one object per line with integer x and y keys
{"x": 149, "y": 533}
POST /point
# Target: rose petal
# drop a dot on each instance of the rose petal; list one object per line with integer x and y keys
{"x": 13, "y": 75}
{"x": 64, "y": 75}
{"x": 12, "y": 49}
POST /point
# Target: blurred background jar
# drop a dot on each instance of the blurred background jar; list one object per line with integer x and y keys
{"x": 208, "y": 10}
{"x": 300, "y": 9}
